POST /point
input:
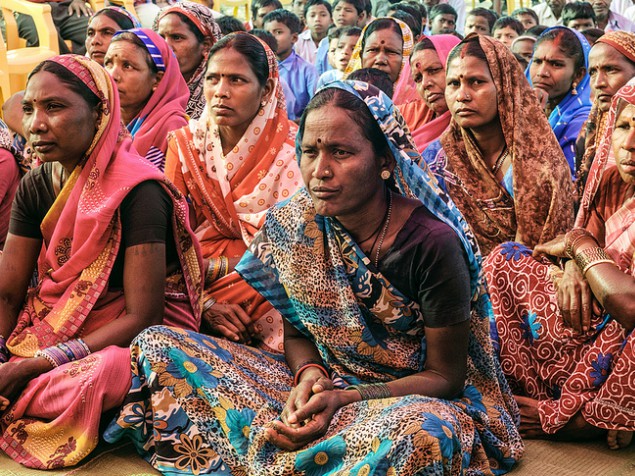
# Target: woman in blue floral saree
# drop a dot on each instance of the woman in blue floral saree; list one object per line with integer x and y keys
{"x": 389, "y": 369}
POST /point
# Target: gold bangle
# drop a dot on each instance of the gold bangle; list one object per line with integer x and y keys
{"x": 590, "y": 257}
{"x": 571, "y": 238}
{"x": 208, "y": 304}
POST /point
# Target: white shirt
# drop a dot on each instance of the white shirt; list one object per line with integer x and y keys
{"x": 305, "y": 47}
{"x": 545, "y": 15}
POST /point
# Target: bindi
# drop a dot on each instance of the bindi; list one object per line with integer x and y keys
{"x": 319, "y": 141}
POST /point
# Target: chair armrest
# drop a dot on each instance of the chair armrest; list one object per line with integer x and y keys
{"x": 41, "y": 14}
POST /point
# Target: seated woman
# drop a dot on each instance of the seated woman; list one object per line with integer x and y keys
{"x": 374, "y": 271}
{"x": 152, "y": 93}
{"x": 234, "y": 163}
{"x": 114, "y": 255}
{"x": 558, "y": 72}
{"x": 498, "y": 159}
{"x": 566, "y": 335}
{"x": 9, "y": 180}
{"x": 190, "y": 30}
{"x": 385, "y": 44}
{"x": 429, "y": 116}
{"x": 611, "y": 65}
{"x": 102, "y": 27}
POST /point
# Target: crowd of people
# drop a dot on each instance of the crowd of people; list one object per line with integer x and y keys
{"x": 341, "y": 238}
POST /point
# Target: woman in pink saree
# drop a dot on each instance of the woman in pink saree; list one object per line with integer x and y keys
{"x": 116, "y": 255}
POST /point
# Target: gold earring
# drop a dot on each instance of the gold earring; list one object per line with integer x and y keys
{"x": 574, "y": 91}
{"x": 385, "y": 174}
{"x": 263, "y": 103}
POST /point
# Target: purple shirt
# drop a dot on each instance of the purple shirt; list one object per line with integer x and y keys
{"x": 301, "y": 77}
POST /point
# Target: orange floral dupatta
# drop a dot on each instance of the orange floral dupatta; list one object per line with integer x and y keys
{"x": 82, "y": 235}
{"x": 232, "y": 193}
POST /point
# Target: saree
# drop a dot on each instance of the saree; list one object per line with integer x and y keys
{"x": 309, "y": 267}
{"x": 570, "y": 114}
{"x": 404, "y": 88}
{"x": 230, "y": 207}
{"x": 569, "y": 373}
{"x": 203, "y": 18}
{"x": 424, "y": 126}
{"x": 539, "y": 205}
{"x": 55, "y": 420}
{"x": 9, "y": 178}
{"x": 595, "y": 127}
{"x": 165, "y": 109}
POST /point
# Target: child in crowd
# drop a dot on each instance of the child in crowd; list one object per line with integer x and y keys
{"x": 579, "y": 16}
{"x": 259, "y": 8}
{"x": 506, "y": 30}
{"x": 229, "y": 24}
{"x": 300, "y": 75}
{"x": 297, "y": 7}
{"x": 378, "y": 78}
{"x": 345, "y": 39}
{"x": 345, "y": 13}
{"x": 318, "y": 17}
{"x": 523, "y": 46}
{"x": 442, "y": 19}
{"x": 480, "y": 20}
{"x": 414, "y": 20}
{"x": 527, "y": 17}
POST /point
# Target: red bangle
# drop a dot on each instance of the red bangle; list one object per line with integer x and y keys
{"x": 303, "y": 368}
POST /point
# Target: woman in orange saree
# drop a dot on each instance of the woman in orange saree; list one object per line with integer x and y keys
{"x": 233, "y": 164}
{"x": 116, "y": 255}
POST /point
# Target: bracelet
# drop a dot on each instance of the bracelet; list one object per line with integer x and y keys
{"x": 372, "y": 391}
{"x": 571, "y": 238}
{"x": 4, "y": 352}
{"x": 207, "y": 305}
{"x": 590, "y": 257}
{"x": 212, "y": 271}
{"x": 302, "y": 368}
{"x": 64, "y": 352}
{"x": 223, "y": 266}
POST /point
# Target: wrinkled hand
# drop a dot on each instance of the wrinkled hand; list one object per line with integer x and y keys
{"x": 542, "y": 96}
{"x": 555, "y": 247}
{"x": 575, "y": 299}
{"x": 80, "y": 8}
{"x": 230, "y": 321}
{"x": 14, "y": 376}
{"x": 309, "y": 422}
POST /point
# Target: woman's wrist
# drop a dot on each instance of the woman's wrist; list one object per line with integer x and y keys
{"x": 312, "y": 374}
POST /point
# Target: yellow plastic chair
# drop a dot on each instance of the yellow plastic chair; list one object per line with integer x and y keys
{"x": 236, "y": 6}
{"x": 127, "y": 5}
{"x": 21, "y": 61}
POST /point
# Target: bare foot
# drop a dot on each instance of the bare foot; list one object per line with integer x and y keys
{"x": 618, "y": 439}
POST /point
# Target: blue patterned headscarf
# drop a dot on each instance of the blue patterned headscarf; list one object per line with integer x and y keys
{"x": 572, "y": 106}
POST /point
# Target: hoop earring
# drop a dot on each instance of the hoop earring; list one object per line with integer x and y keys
{"x": 385, "y": 174}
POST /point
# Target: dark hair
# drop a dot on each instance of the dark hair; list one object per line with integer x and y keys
{"x": 359, "y": 5}
{"x": 526, "y": 11}
{"x": 190, "y": 24}
{"x": 577, "y": 11}
{"x": 267, "y": 37}
{"x": 378, "y": 78}
{"x": 69, "y": 79}
{"x": 424, "y": 43}
{"x": 471, "y": 48}
{"x": 258, "y": 4}
{"x": 286, "y": 17}
{"x": 122, "y": 21}
{"x": 130, "y": 37}
{"x": 536, "y": 31}
{"x": 408, "y": 19}
{"x": 441, "y": 9}
{"x": 567, "y": 42}
{"x": 510, "y": 22}
{"x": 337, "y": 33}
{"x": 250, "y": 48}
{"x": 489, "y": 15}
{"x": 419, "y": 6}
{"x": 593, "y": 34}
{"x": 378, "y": 25}
{"x": 229, "y": 24}
{"x": 313, "y": 3}
{"x": 521, "y": 61}
{"x": 356, "y": 110}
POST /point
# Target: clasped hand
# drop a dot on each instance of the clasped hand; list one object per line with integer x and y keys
{"x": 307, "y": 413}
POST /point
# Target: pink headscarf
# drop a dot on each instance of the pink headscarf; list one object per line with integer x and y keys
{"x": 165, "y": 110}
{"x": 424, "y": 127}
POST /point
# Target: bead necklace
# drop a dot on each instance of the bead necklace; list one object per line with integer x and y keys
{"x": 500, "y": 161}
{"x": 385, "y": 228}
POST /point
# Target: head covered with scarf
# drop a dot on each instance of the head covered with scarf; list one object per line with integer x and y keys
{"x": 422, "y": 121}
{"x": 624, "y": 43}
{"x": 118, "y": 15}
{"x": 81, "y": 230}
{"x": 536, "y": 213}
{"x": 202, "y": 18}
{"x": 165, "y": 109}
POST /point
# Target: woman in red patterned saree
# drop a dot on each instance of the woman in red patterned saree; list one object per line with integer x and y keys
{"x": 566, "y": 335}
{"x": 116, "y": 255}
